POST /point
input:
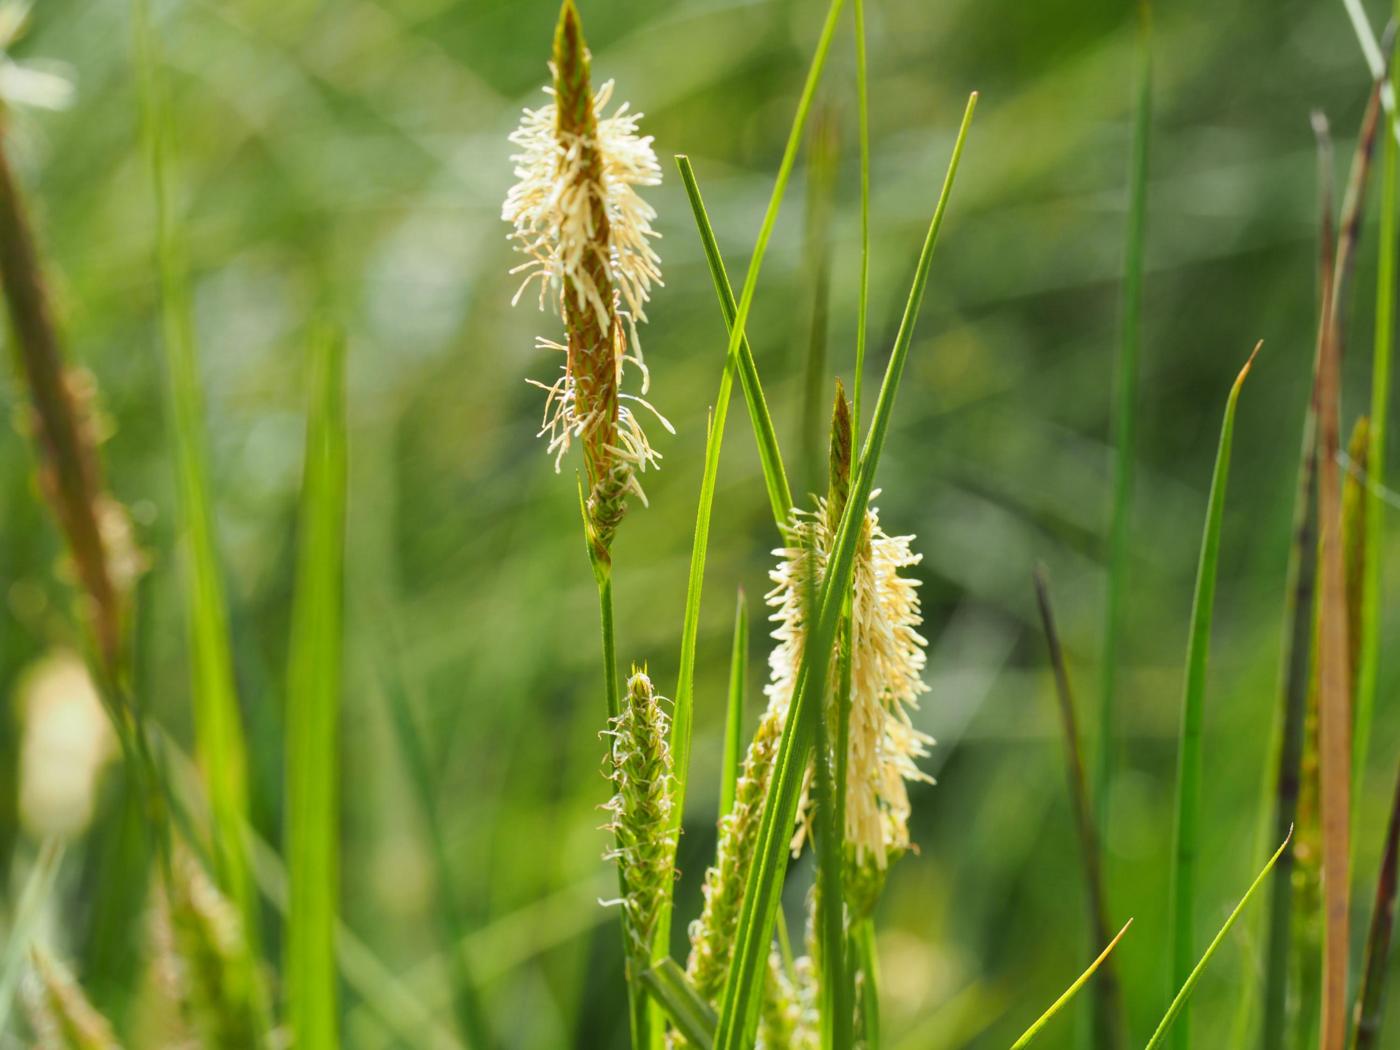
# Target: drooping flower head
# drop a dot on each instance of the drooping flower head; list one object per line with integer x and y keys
{"x": 587, "y": 237}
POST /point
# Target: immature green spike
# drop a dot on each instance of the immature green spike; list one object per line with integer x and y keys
{"x": 60, "y": 1013}
{"x": 712, "y": 934}
{"x": 641, "y": 772}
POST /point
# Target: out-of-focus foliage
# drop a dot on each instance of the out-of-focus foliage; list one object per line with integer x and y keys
{"x": 350, "y": 157}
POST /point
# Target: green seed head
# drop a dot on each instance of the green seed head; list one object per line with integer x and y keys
{"x": 639, "y": 765}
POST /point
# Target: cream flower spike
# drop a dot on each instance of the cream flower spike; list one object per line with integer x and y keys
{"x": 887, "y": 663}
{"x": 587, "y": 237}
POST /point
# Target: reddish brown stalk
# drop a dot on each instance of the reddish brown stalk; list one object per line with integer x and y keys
{"x": 1334, "y": 649}
{"x": 69, "y": 471}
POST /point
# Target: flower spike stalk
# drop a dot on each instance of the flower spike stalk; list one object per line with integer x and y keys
{"x": 587, "y": 236}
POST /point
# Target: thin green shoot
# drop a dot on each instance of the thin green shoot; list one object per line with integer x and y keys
{"x": 1189, "y": 985}
{"x": 1190, "y": 758}
{"x": 1069, "y": 993}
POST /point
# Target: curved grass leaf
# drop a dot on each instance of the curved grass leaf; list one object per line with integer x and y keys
{"x": 1070, "y": 992}
{"x": 1189, "y": 769}
{"x": 740, "y": 1001}
{"x": 1189, "y": 985}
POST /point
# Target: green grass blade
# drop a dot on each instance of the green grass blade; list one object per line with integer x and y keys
{"x": 313, "y": 711}
{"x": 770, "y": 457}
{"x": 25, "y": 921}
{"x": 734, "y": 716}
{"x": 1368, "y": 656}
{"x": 1188, "y": 986}
{"x": 684, "y": 713}
{"x": 1189, "y": 768}
{"x": 1124, "y": 425}
{"x": 693, "y": 1017}
{"x": 219, "y": 737}
{"x": 1370, "y": 999}
{"x": 740, "y": 1001}
{"x": 1070, "y": 992}
{"x": 863, "y": 295}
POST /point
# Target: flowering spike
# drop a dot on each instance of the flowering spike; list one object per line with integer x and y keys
{"x": 887, "y": 661}
{"x": 587, "y": 236}
{"x": 639, "y": 765}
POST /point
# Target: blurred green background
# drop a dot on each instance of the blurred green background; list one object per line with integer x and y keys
{"x": 349, "y": 158}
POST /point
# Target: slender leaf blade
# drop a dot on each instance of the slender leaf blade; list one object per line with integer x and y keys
{"x": 1069, "y": 993}
{"x": 313, "y": 711}
{"x": 1189, "y": 985}
{"x": 1190, "y": 766}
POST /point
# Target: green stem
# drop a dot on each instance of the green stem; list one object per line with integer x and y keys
{"x": 639, "y": 1008}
